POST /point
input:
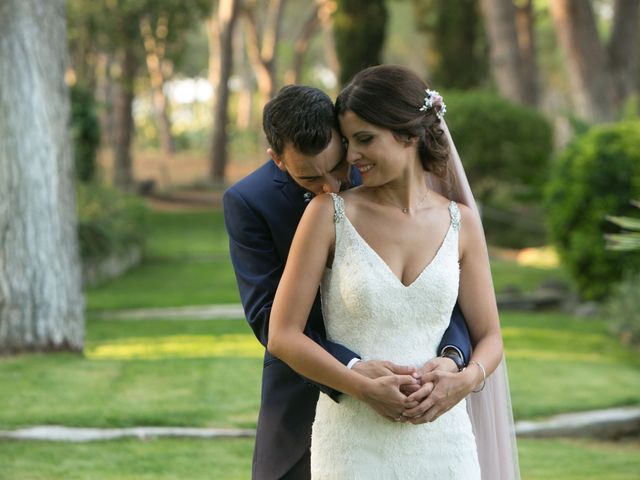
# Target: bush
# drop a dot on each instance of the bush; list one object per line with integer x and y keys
{"x": 594, "y": 177}
{"x": 85, "y": 132}
{"x": 109, "y": 221}
{"x": 506, "y": 150}
{"x": 623, "y": 310}
{"x": 502, "y": 145}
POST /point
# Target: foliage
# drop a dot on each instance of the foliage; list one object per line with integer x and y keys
{"x": 502, "y": 144}
{"x": 456, "y": 50}
{"x": 85, "y": 132}
{"x": 594, "y": 177}
{"x": 626, "y": 241}
{"x": 108, "y": 220}
{"x": 113, "y": 25}
{"x": 623, "y": 310}
{"x": 359, "y": 30}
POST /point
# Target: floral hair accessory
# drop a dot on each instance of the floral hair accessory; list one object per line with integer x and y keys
{"x": 433, "y": 99}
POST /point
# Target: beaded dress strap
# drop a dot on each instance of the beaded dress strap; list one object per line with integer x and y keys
{"x": 338, "y": 205}
{"x": 454, "y": 211}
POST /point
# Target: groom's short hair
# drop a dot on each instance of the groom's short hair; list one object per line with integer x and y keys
{"x": 301, "y": 116}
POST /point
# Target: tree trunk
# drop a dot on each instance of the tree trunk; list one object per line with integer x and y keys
{"x": 623, "y": 49}
{"x": 104, "y": 98}
{"x": 586, "y": 60}
{"x": 300, "y": 47}
{"x": 124, "y": 127}
{"x": 262, "y": 51}
{"x": 245, "y": 93}
{"x": 326, "y": 11}
{"x": 227, "y": 15}
{"x": 360, "y": 29}
{"x": 41, "y": 304}
{"x": 526, "y": 45}
{"x": 154, "y": 47}
{"x": 506, "y": 65}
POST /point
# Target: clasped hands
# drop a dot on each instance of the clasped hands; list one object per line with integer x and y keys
{"x": 414, "y": 395}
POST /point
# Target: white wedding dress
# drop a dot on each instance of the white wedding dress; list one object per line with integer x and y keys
{"x": 368, "y": 309}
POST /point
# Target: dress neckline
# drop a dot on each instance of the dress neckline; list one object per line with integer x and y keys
{"x": 386, "y": 265}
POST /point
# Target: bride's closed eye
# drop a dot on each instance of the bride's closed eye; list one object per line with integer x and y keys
{"x": 364, "y": 139}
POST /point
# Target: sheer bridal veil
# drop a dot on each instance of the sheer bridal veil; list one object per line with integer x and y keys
{"x": 490, "y": 409}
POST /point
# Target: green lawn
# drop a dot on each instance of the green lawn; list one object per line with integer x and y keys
{"x": 187, "y": 263}
{"x": 195, "y": 373}
{"x": 231, "y": 459}
{"x": 207, "y": 373}
{"x": 525, "y": 278}
{"x": 558, "y": 363}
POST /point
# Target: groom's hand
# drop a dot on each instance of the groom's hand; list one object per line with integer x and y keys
{"x": 381, "y": 368}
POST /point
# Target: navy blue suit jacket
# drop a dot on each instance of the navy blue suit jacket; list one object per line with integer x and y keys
{"x": 261, "y": 213}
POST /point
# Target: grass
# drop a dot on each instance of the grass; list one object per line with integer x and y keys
{"x": 564, "y": 459}
{"x": 525, "y": 278}
{"x": 207, "y": 373}
{"x": 187, "y": 263}
{"x": 191, "y": 373}
{"x": 231, "y": 459}
{"x": 558, "y": 363}
{"x": 162, "y": 459}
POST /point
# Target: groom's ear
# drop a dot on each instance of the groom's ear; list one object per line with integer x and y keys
{"x": 277, "y": 159}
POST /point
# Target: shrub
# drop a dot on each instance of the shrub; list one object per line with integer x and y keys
{"x": 502, "y": 145}
{"x": 506, "y": 150}
{"x": 109, "y": 221}
{"x": 623, "y": 310}
{"x": 85, "y": 132}
{"x": 594, "y": 177}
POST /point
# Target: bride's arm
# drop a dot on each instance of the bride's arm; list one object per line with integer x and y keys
{"x": 477, "y": 297}
{"x": 313, "y": 241}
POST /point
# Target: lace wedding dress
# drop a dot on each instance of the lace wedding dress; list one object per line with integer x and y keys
{"x": 368, "y": 309}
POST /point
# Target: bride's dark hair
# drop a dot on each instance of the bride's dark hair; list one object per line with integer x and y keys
{"x": 390, "y": 96}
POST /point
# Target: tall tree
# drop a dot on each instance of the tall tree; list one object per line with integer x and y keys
{"x": 309, "y": 28}
{"x": 456, "y": 53}
{"x": 41, "y": 305}
{"x": 123, "y": 34}
{"x": 222, "y": 26}
{"x": 506, "y": 61}
{"x": 159, "y": 68}
{"x": 359, "y": 28}
{"x": 601, "y": 77}
{"x": 262, "y": 43}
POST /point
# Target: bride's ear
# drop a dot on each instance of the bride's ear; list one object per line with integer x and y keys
{"x": 412, "y": 141}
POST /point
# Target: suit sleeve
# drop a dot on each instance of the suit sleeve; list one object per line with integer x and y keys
{"x": 457, "y": 335}
{"x": 258, "y": 268}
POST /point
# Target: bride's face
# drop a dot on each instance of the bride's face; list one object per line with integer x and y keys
{"x": 375, "y": 151}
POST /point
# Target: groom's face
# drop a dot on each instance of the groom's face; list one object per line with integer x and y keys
{"x": 325, "y": 172}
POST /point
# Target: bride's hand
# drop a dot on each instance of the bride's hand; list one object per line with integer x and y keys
{"x": 384, "y": 395}
{"x": 447, "y": 390}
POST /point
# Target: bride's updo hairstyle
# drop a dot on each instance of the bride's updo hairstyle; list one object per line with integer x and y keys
{"x": 391, "y": 96}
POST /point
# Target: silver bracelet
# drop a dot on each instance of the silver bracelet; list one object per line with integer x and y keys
{"x": 484, "y": 375}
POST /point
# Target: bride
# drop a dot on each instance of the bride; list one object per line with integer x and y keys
{"x": 392, "y": 257}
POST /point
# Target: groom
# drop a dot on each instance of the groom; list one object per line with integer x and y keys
{"x": 261, "y": 214}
